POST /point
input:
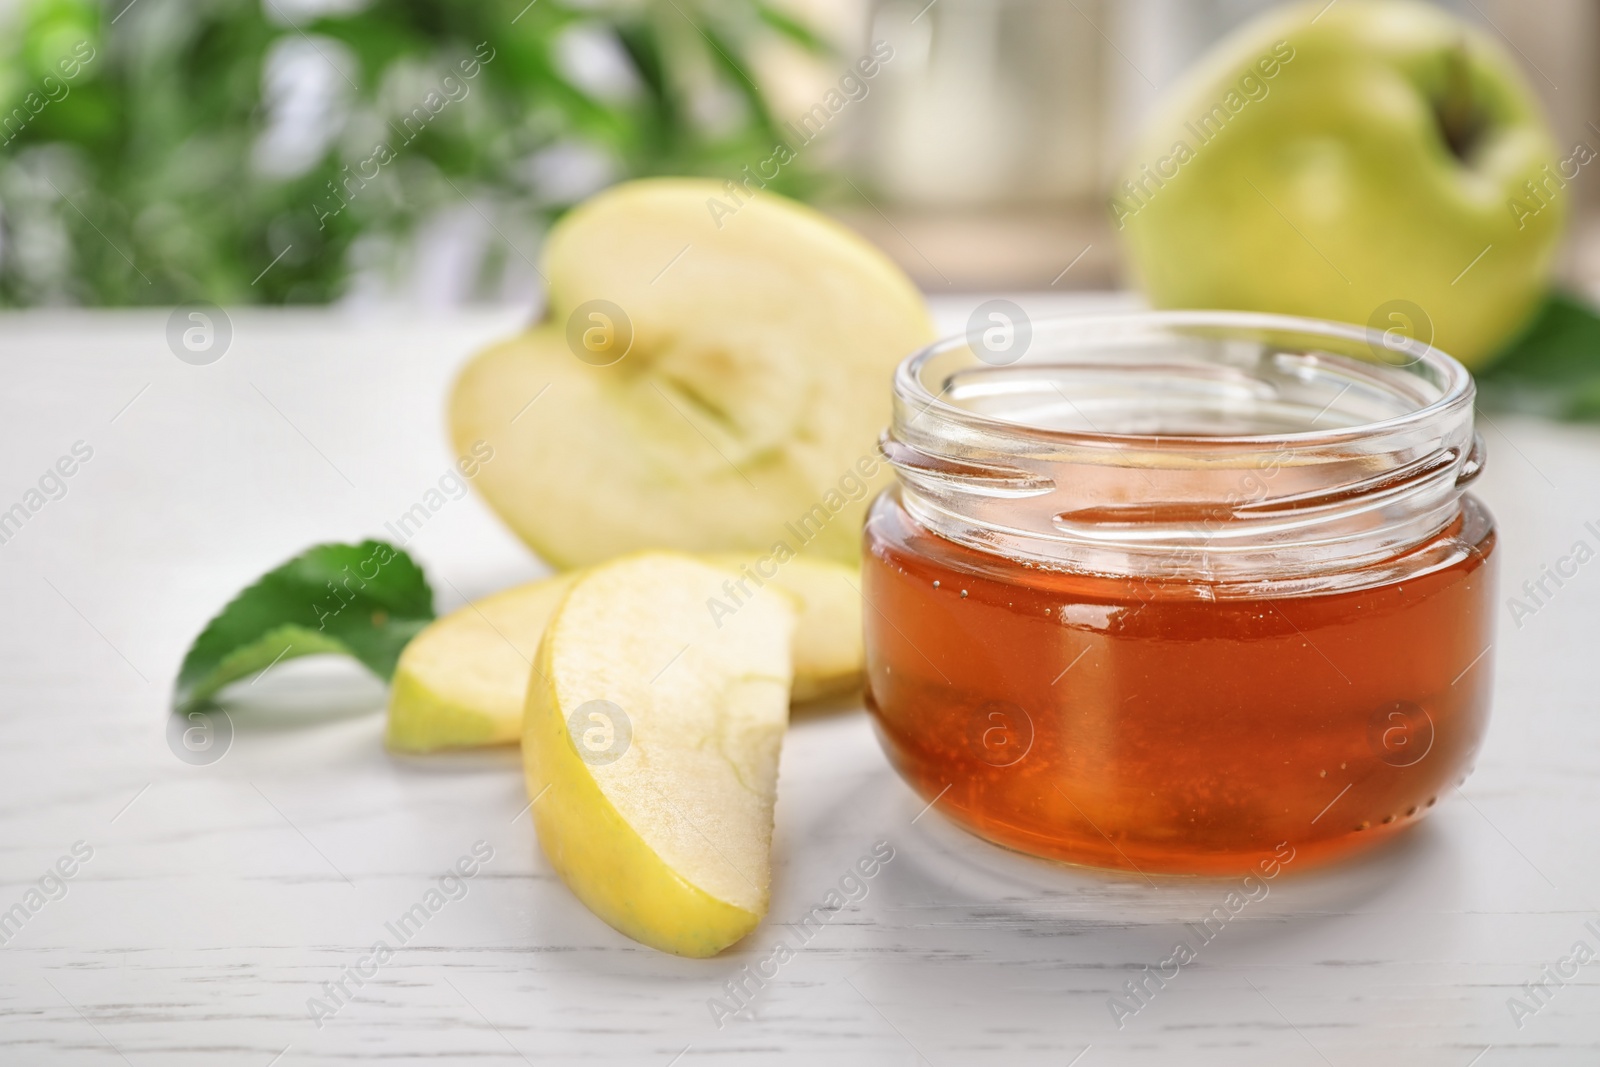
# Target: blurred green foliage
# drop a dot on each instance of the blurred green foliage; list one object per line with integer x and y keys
{"x": 1553, "y": 367}
{"x": 159, "y": 151}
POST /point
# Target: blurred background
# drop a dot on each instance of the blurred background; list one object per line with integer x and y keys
{"x": 374, "y": 151}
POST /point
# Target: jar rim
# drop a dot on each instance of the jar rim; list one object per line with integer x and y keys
{"x": 1456, "y": 383}
{"x": 1184, "y": 493}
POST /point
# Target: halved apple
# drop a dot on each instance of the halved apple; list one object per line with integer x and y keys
{"x": 651, "y": 749}
{"x": 462, "y": 681}
{"x": 704, "y": 379}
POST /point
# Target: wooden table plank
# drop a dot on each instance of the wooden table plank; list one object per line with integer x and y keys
{"x": 219, "y": 899}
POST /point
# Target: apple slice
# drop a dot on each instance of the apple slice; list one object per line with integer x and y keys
{"x": 651, "y": 743}
{"x": 829, "y": 656}
{"x": 462, "y": 681}
{"x": 704, "y": 379}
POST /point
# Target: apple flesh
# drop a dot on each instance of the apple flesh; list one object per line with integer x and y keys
{"x": 702, "y": 381}
{"x": 829, "y": 654}
{"x": 462, "y": 681}
{"x": 1373, "y": 161}
{"x": 651, "y": 750}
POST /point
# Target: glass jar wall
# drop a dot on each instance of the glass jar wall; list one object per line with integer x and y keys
{"x": 1171, "y": 591}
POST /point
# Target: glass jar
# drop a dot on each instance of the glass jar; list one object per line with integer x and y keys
{"x": 1181, "y": 591}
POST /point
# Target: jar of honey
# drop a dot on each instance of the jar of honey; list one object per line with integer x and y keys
{"x": 1170, "y": 591}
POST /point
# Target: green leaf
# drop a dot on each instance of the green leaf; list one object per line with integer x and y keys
{"x": 1553, "y": 367}
{"x": 176, "y": 99}
{"x": 365, "y": 601}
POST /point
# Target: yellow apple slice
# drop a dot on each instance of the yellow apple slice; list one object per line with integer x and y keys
{"x": 462, "y": 681}
{"x": 651, "y": 743}
{"x": 829, "y": 657}
{"x": 705, "y": 379}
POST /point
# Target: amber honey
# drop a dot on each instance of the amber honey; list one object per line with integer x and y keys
{"x": 1140, "y": 725}
{"x": 1181, "y": 589}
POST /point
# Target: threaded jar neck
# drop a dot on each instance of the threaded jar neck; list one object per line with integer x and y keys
{"x": 1214, "y": 447}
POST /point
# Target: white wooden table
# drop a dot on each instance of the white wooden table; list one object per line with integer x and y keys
{"x": 219, "y": 899}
